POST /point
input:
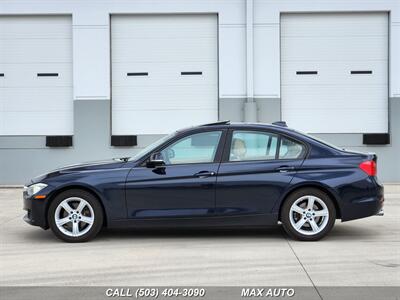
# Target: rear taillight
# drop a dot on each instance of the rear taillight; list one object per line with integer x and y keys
{"x": 368, "y": 167}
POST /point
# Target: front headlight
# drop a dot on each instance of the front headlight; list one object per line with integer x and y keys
{"x": 34, "y": 188}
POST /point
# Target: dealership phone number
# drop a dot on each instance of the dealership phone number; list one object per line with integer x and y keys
{"x": 156, "y": 292}
{"x": 170, "y": 292}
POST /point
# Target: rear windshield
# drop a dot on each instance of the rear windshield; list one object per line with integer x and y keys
{"x": 320, "y": 140}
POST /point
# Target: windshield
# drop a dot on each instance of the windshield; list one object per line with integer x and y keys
{"x": 151, "y": 147}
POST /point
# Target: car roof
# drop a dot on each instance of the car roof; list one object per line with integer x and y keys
{"x": 227, "y": 124}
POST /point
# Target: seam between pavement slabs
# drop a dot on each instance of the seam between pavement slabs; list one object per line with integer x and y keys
{"x": 308, "y": 275}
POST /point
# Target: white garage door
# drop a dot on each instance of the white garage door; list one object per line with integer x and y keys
{"x": 164, "y": 72}
{"x": 335, "y": 72}
{"x": 36, "y": 75}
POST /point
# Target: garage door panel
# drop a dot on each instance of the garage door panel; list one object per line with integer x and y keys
{"x": 164, "y": 50}
{"x": 334, "y": 25}
{"x": 2, "y": 104}
{"x": 153, "y": 119}
{"x": 333, "y": 45}
{"x": 173, "y": 26}
{"x": 346, "y": 48}
{"x": 36, "y": 50}
{"x": 163, "y": 73}
{"x": 337, "y": 120}
{"x": 152, "y": 31}
{"x": 161, "y": 47}
{"x": 47, "y": 122}
{"x": 37, "y": 99}
{"x": 330, "y": 97}
{"x": 34, "y": 27}
{"x": 25, "y": 75}
{"x": 165, "y": 98}
{"x": 333, "y": 73}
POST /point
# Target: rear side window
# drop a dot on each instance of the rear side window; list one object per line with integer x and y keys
{"x": 289, "y": 149}
{"x": 253, "y": 145}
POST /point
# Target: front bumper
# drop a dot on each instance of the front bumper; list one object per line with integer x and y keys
{"x": 35, "y": 211}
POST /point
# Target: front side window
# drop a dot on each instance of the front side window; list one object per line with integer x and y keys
{"x": 253, "y": 145}
{"x": 196, "y": 148}
{"x": 151, "y": 147}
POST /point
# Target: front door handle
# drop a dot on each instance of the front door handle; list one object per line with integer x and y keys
{"x": 204, "y": 174}
{"x": 283, "y": 169}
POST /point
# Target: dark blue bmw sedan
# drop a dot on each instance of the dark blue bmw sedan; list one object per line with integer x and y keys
{"x": 215, "y": 175}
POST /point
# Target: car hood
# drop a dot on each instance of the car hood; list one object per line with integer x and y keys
{"x": 87, "y": 166}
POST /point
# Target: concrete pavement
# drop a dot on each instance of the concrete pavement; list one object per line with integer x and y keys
{"x": 356, "y": 253}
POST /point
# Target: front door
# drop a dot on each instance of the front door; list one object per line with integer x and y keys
{"x": 184, "y": 186}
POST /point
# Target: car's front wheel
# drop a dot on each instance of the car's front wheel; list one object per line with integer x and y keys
{"x": 75, "y": 216}
{"x": 308, "y": 214}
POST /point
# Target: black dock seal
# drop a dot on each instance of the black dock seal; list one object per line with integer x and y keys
{"x": 59, "y": 141}
{"x": 376, "y": 138}
{"x": 123, "y": 140}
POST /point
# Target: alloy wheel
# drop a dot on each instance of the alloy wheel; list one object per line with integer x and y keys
{"x": 74, "y": 216}
{"x": 309, "y": 215}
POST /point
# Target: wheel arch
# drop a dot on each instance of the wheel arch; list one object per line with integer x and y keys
{"x": 318, "y": 186}
{"x": 85, "y": 188}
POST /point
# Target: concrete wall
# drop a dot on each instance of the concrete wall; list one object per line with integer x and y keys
{"x": 240, "y": 79}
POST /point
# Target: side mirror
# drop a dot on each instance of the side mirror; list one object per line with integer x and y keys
{"x": 155, "y": 161}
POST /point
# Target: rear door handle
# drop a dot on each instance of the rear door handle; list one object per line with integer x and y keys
{"x": 283, "y": 169}
{"x": 204, "y": 174}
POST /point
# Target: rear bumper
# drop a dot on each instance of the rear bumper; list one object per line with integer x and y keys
{"x": 365, "y": 207}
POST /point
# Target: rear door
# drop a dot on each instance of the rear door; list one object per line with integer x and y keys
{"x": 256, "y": 169}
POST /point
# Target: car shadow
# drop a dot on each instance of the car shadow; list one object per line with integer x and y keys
{"x": 183, "y": 233}
{"x": 349, "y": 232}
{"x": 345, "y": 232}
{"x": 37, "y": 235}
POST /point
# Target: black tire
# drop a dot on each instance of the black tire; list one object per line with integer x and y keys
{"x": 96, "y": 225}
{"x": 285, "y": 214}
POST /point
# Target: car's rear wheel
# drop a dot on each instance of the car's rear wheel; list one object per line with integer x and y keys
{"x": 308, "y": 214}
{"x": 75, "y": 216}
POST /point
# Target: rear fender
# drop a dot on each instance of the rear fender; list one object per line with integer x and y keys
{"x": 307, "y": 184}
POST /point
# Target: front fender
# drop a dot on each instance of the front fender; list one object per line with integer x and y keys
{"x": 107, "y": 186}
{"x": 77, "y": 185}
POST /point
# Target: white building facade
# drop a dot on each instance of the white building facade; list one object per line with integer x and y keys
{"x": 88, "y": 80}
